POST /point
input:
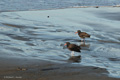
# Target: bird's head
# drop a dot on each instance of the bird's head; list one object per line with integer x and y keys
{"x": 67, "y": 43}
{"x": 78, "y": 31}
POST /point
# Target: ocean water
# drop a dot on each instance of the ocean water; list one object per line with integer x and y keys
{"x": 32, "y": 34}
{"x": 8, "y": 5}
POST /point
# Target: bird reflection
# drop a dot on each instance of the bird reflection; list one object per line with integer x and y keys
{"x": 75, "y": 59}
{"x": 84, "y": 46}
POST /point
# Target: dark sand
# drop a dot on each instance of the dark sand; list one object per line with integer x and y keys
{"x": 36, "y": 69}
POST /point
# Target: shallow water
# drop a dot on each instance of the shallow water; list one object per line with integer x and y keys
{"x": 32, "y": 34}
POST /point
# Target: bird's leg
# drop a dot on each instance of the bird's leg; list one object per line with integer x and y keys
{"x": 84, "y": 40}
{"x": 72, "y": 53}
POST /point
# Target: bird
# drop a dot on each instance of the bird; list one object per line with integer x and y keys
{"x": 72, "y": 47}
{"x": 83, "y": 35}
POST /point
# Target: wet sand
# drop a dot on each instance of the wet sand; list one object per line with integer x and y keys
{"x": 36, "y": 69}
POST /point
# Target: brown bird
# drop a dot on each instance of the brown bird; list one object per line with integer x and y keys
{"x": 73, "y": 47}
{"x": 83, "y": 35}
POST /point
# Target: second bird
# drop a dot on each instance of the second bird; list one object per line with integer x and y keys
{"x": 83, "y": 35}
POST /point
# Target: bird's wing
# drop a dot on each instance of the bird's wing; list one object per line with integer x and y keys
{"x": 74, "y": 47}
{"x": 84, "y": 34}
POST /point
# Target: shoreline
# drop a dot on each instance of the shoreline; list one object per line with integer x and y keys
{"x": 61, "y": 8}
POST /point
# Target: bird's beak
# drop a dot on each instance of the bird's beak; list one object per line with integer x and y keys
{"x": 65, "y": 44}
{"x": 76, "y": 32}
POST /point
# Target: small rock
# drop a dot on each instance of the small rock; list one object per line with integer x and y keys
{"x": 48, "y": 16}
{"x": 97, "y": 7}
{"x": 22, "y": 69}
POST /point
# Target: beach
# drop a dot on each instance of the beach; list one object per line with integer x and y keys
{"x": 32, "y": 43}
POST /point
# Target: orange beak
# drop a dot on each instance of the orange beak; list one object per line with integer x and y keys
{"x": 65, "y": 44}
{"x": 76, "y": 32}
